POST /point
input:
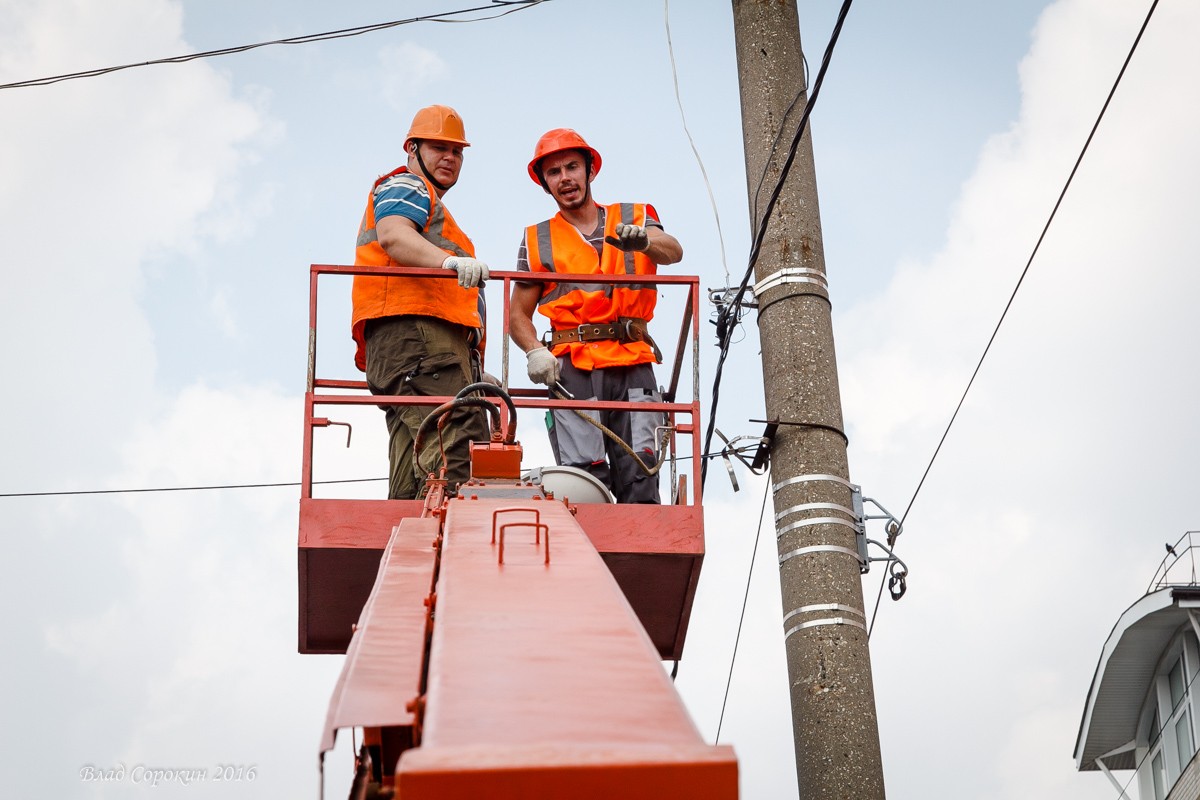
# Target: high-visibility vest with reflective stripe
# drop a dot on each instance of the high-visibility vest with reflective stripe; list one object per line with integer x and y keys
{"x": 557, "y": 246}
{"x": 375, "y": 296}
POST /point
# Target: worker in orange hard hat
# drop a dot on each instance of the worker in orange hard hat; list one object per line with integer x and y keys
{"x": 598, "y": 346}
{"x": 421, "y": 336}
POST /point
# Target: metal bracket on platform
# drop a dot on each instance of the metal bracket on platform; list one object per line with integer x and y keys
{"x": 323, "y": 422}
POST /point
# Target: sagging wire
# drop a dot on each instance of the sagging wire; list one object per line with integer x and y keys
{"x": 215, "y": 487}
{"x": 731, "y": 313}
{"x": 210, "y": 487}
{"x": 745, "y": 602}
{"x": 1032, "y": 255}
{"x": 683, "y": 118}
{"x": 775, "y": 142}
{"x": 520, "y": 5}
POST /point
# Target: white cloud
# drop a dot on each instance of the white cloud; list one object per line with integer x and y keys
{"x": 207, "y": 620}
{"x": 404, "y": 71}
{"x": 100, "y": 175}
{"x": 1043, "y": 515}
{"x": 164, "y": 624}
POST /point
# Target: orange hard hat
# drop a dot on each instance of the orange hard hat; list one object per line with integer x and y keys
{"x": 441, "y": 123}
{"x": 556, "y": 141}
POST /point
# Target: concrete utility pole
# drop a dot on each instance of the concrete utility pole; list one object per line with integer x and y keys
{"x": 829, "y": 663}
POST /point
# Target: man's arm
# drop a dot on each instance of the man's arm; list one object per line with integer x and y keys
{"x": 664, "y": 248}
{"x": 541, "y": 364}
{"x": 525, "y": 297}
{"x": 400, "y": 238}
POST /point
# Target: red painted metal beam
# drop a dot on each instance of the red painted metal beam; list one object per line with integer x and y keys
{"x": 542, "y": 682}
{"x": 654, "y": 552}
{"x": 382, "y": 673}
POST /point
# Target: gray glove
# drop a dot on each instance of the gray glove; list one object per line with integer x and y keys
{"x": 632, "y": 237}
{"x": 488, "y": 377}
{"x": 471, "y": 271}
{"x": 543, "y": 366}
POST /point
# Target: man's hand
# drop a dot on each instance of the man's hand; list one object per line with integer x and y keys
{"x": 631, "y": 238}
{"x": 543, "y": 366}
{"x": 471, "y": 271}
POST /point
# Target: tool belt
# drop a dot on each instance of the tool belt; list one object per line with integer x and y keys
{"x": 625, "y": 329}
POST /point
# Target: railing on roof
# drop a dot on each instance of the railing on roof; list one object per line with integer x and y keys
{"x": 1178, "y": 567}
{"x": 324, "y": 392}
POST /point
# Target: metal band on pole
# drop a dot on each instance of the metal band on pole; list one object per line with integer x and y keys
{"x": 819, "y": 622}
{"x": 775, "y": 488}
{"x": 804, "y": 523}
{"x": 819, "y": 548}
{"x": 815, "y": 507}
{"x": 824, "y": 607}
{"x": 791, "y": 275}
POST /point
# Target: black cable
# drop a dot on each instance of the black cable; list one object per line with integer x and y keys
{"x": 344, "y": 33}
{"x": 778, "y": 135}
{"x": 1032, "y": 255}
{"x": 742, "y": 618}
{"x": 724, "y": 329}
{"x": 181, "y": 488}
{"x": 145, "y": 490}
{"x": 878, "y": 597}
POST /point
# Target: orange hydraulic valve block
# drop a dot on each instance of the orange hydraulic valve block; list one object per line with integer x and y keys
{"x": 496, "y": 460}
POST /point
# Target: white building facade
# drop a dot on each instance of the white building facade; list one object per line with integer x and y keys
{"x": 1140, "y": 719}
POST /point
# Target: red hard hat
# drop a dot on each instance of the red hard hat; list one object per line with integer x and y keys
{"x": 439, "y": 123}
{"x": 556, "y": 141}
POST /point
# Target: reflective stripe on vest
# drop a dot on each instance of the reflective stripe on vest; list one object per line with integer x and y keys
{"x": 557, "y": 246}
{"x": 376, "y": 296}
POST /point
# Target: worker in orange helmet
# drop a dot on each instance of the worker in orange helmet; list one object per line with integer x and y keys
{"x": 598, "y": 346}
{"x": 421, "y": 336}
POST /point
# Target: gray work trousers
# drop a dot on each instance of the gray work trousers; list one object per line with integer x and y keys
{"x": 578, "y": 443}
{"x": 415, "y": 355}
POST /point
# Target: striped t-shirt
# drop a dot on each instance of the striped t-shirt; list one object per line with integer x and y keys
{"x": 595, "y": 238}
{"x": 403, "y": 195}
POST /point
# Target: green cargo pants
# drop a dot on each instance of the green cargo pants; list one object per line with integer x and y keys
{"x": 415, "y": 355}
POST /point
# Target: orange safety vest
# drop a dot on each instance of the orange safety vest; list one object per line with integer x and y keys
{"x": 557, "y": 246}
{"x": 375, "y": 296}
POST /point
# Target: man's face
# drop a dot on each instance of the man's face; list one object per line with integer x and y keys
{"x": 566, "y": 176}
{"x": 442, "y": 159}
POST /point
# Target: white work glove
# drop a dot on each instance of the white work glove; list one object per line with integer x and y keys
{"x": 543, "y": 366}
{"x": 471, "y": 271}
{"x": 632, "y": 238}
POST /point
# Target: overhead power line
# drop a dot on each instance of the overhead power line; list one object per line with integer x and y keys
{"x": 206, "y": 488}
{"x": 731, "y": 314}
{"x": 446, "y": 16}
{"x": 213, "y": 487}
{"x": 1032, "y": 255}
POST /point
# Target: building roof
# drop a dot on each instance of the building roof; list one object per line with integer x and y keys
{"x": 1123, "y": 676}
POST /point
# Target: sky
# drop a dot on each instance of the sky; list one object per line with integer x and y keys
{"x": 155, "y": 333}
